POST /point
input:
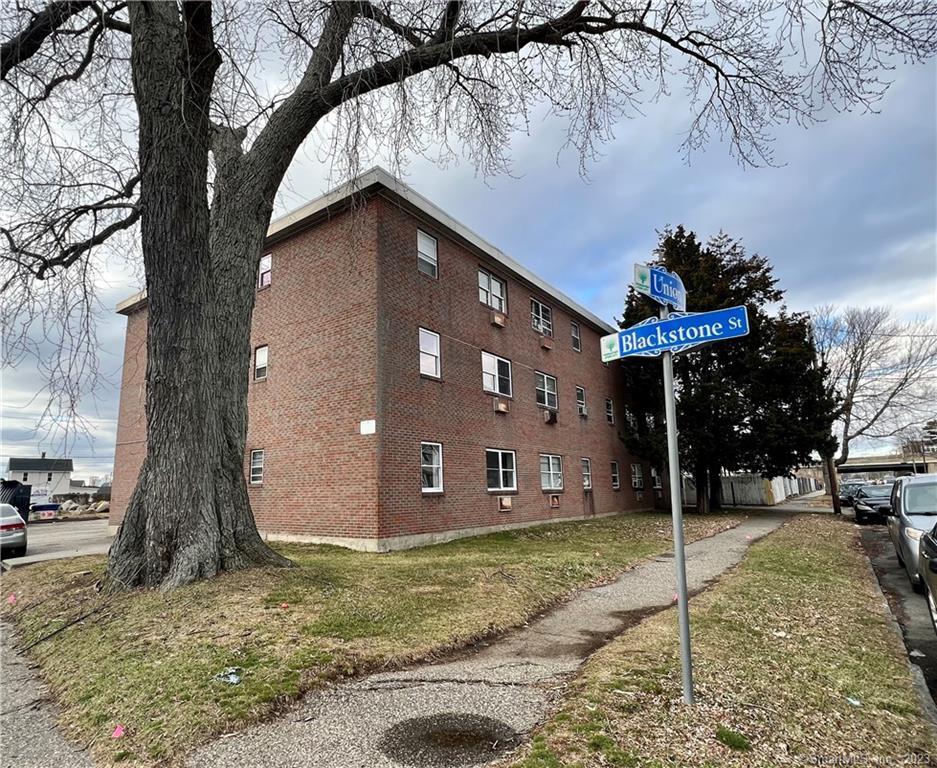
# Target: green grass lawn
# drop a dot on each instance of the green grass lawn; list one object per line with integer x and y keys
{"x": 146, "y": 660}
{"x": 794, "y": 662}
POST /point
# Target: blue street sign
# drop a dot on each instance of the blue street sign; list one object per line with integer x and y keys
{"x": 677, "y": 333}
{"x": 667, "y": 288}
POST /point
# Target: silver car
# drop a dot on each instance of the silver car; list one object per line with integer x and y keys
{"x": 913, "y": 512}
{"x": 12, "y": 531}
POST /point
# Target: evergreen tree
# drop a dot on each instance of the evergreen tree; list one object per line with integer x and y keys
{"x": 756, "y": 404}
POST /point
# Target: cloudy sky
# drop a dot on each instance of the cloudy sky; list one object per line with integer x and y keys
{"x": 849, "y": 217}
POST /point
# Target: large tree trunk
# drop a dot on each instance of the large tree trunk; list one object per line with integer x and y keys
{"x": 715, "y": 488}
{"x": 189, "y": 516}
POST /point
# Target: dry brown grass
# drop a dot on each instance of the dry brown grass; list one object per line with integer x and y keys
{"x": 780, "y": 647}
{"x": 146, "y": 659}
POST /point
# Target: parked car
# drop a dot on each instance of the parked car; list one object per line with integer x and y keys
{"x": 847, "y": 491}
{"x": 912, "y": 513}
{"x": 871, "y": 501}
{"x": 12, "y": 531}
{"x": 927, "y": 567}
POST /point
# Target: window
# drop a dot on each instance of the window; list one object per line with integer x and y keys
{"x": 265, "y": 271}
{"x": 546, "y": 390}
{"x": 491, "y": 290}
{"x": 431, "y": 467}
{"x": 609, "y": 410}
{"x": 656, "y": 480}
{"x": 581, "y": 401}
{"x": 25, "y": 476}
{"x": 501, "y": 473}
{"x": 426, "y": 254}
{"x": 260, "y": 363}
{"x": 616, "y": 477}
{"x": 587, "y": 474}
{"x": 541, "y": 317}
{"x": 429, "y": 354}
{"x": 49, "y": 477}
{"x": 257, "y": 467}
{"x": 637, "y": 477}
{"x": 577, "y": 338}
{"x": 551, "y": 472}
{"x": 496, "y": 374}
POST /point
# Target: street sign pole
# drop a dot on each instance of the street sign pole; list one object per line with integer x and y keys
{"x": 676, "y": 508}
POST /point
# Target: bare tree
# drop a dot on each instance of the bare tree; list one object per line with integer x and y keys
{"x": 884, "y": 371}
{"x": 157, "y": 118}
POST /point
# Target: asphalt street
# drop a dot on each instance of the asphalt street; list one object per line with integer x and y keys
{"x": 909, "y": 608}
{"x": 69, "y": 538}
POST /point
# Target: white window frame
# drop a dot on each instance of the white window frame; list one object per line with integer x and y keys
{"x": 485, "y": 293}
{"x": 427, "y": 263}
{"x": 436, "y": 356}
{"x": 25, "y": 476}
{"x": 616, "y": 476}
{"x": 541, "y": 317}
{"x": 657, "y": 482}
{"x": 637, "y": 477}
{"x": 581, "y": 401}
{"x": 609, "y": 410}
{"x": 266, "y": 365}
{"x": 552, "y": 478}
{"x": 268, "y": 272}
{"x": 496, "y": 375}
{"x": 576, "y": 332}
{"x": 48, "y": 477}
{"x": 501, "y": 470}
{"x": 545, "y": 378}
{"x": 434, "y": 467}
{"x": 586, "y": 464}
{"x": 256, "y": 470}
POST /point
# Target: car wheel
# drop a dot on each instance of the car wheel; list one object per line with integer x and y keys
{"x": 860, "y": 517}
{"x": 17, "y": 551}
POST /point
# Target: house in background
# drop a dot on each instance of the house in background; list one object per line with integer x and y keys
{"x": 410, "y": 383}
{"x": 48, "y": 477}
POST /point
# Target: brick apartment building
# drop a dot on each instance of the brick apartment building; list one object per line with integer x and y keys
{"x": 410, "y": 384}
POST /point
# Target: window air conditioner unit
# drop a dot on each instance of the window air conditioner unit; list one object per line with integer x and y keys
{"x": 583, "y": 411}
{"x": 549, "y": 417}
{"x": 501, "y": 406}
{"x": 546, "y": 342}
{"x": 498, "y": 320}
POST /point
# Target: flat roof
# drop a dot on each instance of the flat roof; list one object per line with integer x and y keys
{"x": 378, "y": 177}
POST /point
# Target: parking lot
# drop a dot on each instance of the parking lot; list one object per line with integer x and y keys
{"x": 909, "y": 607}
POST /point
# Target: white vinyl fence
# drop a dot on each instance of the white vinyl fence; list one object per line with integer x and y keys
{"x": 754, "y": 490}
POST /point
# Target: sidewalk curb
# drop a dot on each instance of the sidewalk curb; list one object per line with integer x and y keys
{"x": 928, "y": 707}
{"x": 82, "y": 519}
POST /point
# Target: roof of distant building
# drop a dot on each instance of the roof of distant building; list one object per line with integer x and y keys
{"x": 40, "y": 465}
{"x": 379, "y": 178}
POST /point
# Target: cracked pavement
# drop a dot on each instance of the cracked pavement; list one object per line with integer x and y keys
{"x": 509, "y": 682}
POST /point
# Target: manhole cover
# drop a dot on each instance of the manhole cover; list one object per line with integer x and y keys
{"x": 447, "y": 739}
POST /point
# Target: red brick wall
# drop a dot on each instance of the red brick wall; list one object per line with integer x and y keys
{"x": 341, "y": 320}
{"x": 318, "y": 319}
{"x": 131, "y": 418}
{"x": 459, "y": 414}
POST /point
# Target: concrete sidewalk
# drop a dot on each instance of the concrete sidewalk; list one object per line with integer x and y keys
{"x": 466, "y": 712}
{"x": 29, "y": 737}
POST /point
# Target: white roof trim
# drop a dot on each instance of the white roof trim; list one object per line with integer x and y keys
{"x": 378, "y": 175}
